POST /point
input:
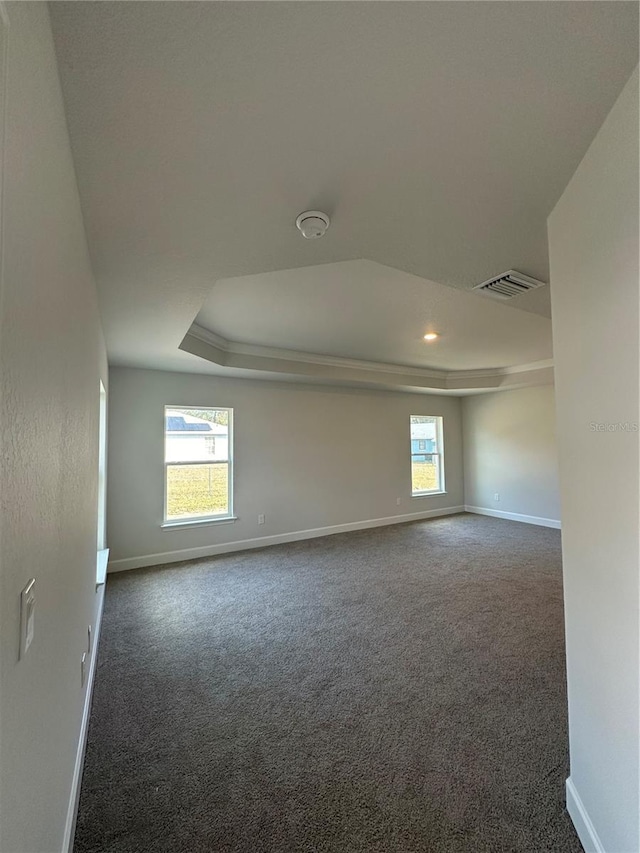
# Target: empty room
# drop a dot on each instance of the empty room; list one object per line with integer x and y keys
{"x": 319, "y": 427}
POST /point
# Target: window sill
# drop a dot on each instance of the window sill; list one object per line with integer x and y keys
{"x": 427, "y": 494}
{"x": 198, "y": 522}
{"x": 101, "y": 567}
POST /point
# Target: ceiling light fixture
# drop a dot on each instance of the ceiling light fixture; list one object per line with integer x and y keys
{"x": 313, "y": 224}
{"x": 431, "y": 336}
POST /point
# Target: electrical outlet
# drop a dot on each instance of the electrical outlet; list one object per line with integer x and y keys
{"x": 496, "y": 496}
{"x": 398, "y": 501}
{"x": 83, "y": 669}
{"x": 261, "y": 518}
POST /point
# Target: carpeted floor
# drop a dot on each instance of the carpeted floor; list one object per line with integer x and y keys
{"x": 395, "y": 690}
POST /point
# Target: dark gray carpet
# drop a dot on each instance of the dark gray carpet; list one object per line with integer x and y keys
{"x": 399, "y": 689}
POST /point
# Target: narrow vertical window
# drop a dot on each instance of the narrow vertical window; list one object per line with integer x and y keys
{"x": 427, "y": 455}
{"x": 102, "y": 470}
{"x": 103, "y": 552}
{"x": 197, "y": 461}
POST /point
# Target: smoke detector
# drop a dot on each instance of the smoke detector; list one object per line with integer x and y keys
{"x": 312, "y": 224}
{"x": 509, "y": 284}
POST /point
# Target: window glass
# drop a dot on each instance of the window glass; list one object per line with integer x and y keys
{"x": 427, "y": 470}
{"x": 197, "y": 456}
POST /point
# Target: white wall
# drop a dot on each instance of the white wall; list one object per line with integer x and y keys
{"x": 307, "y": 457}
{"x": 51, "y": 361}
{"x": 510, "y": 448}
{"x": 593, "y": 241}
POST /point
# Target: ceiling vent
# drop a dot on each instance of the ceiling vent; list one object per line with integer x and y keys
{"x": 508, "y": 285}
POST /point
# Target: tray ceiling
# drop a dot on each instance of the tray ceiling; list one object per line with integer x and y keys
{"x": 438, "y": 137}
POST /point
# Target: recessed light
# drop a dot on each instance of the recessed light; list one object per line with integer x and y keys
{"x": 431, "y": 336}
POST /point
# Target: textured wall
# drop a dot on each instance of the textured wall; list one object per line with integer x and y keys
{"x": 593, "y": 243}
{"x": 51, "y": 359}
{"x": 305, "y": 456}
{"x": 510, "y": 448}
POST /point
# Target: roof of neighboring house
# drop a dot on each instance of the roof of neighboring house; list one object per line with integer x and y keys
{"x": 178, "y": 421}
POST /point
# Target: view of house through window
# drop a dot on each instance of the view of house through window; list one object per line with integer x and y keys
{"x": 197, "y": 457}
{"x": 427, "y": 461}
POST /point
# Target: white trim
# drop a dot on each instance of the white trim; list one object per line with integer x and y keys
{"x": 101, "y": 566}
{"x": 515, "y": 516}
{"x": 263, "y": 541}
{"x": 235, "y": 348}
{"x": 581, "y": 820}
{"x": 481, "y": 373}
{"x": 439, "y": 452}
{"x": 545, "y": 364}
{"x": 448, "y": 377}
{"x": 199, "y": 522}
{"x": 74, "y": 797}
{"x": 209, "y": 337}
{"x": 169, "y": 522}
{"x": 102, "y": 468}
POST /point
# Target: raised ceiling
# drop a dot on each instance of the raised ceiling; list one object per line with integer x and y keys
{"x": 438, "y": 136}
{"x": 383, "y": 315}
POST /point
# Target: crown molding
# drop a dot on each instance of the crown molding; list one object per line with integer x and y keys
{"x": 545, "y": 364}
{"x": 212, "y": 347}
{"x": 204, "y": 335}
{"x": 209, "y": 337}
{"x": 501, "y": 371}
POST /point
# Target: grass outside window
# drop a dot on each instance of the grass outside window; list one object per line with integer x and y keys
{"x": 424, "y": 476}
{"x": 194, "y": 491}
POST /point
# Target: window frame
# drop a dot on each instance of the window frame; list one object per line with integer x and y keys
{"x": 194, "y": 521}
{"x": 439, "y": 453}
{"x": 102, "y": 552}
{"x": 102, "y": 470}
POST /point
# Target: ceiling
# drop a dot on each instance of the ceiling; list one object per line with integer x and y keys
{"x": 383, "y": 316}
{"x": 438, "y": 136}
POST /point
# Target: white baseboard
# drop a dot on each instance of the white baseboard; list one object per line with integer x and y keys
{"x": 515, "y": 516}
{"x": 74, "y": 798}
{"x": 581, "y": 820}
{"x": 264, "y": 541}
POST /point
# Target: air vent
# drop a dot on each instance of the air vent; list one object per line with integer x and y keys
{"x": 508, "y": 285}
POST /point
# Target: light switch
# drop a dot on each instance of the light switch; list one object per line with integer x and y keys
{"x": 27, "y": 616}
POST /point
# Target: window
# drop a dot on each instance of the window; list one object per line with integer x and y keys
{"x": 197, "y": 461}
{"x": 103, "y": 551}
{"x": 102, "y": 469}
{"x": 427, "y": 459}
